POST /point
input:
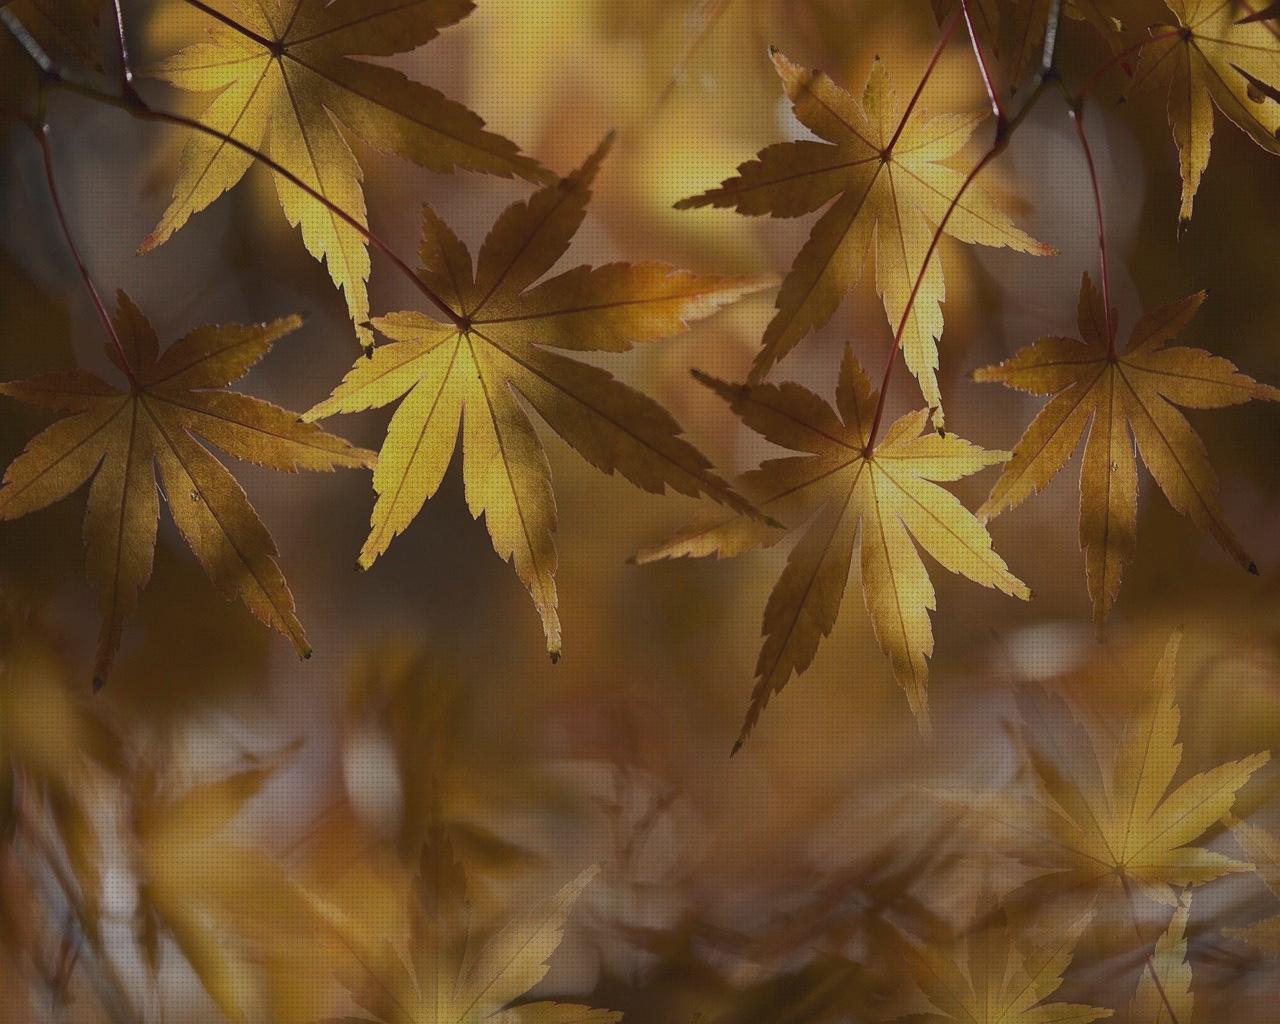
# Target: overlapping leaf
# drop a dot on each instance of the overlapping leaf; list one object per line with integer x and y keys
{"x": 891, "y": 184}
{"x": 1110, "y": 396}
{"x": 287, "y": 84}
{"x": 1164, "y": 991}
{"x": 992, "y": 977}
{"x": 115, "y": 438}
{"x": 1216, "y": 56}
{"x": 452, "y": 976}
{"x": 841, "y": 484}
{"x": 1263, "y": 851}
{"x": 50, "y": 744}
{"x": 1103, "y": 810}
{"x": 476, "y": 376}
{"x": 228, "y": 907}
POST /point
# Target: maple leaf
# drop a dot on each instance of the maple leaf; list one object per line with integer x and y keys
{"x": 1164, "y": 990}
{"x": 116, "y": 437}
{"x": 1263, "y": 851}
{"x": 1103, "y": 801}
{"x": 287, "y": 85}
{"x": 231, "y": 910}
{"x": 891, "y": 185}
{"x": 991, "y": 977}
{"x": 479, "y": 372}
{"x": 1116, "y": 394}
{"x": 838, "y": 484}
{"x": 48, "y": 770}
{"x": 452, "y": 976}
{"x": 1213, "y": 58}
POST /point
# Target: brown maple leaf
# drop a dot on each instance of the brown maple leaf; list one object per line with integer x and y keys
{"x": 1116, "y": 397}
{"x": 116, "y": 438}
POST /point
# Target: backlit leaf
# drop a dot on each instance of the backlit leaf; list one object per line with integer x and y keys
{"x": 116, "y": 438}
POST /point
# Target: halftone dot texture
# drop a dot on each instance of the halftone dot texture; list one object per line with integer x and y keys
{"x": 733, "y": 388}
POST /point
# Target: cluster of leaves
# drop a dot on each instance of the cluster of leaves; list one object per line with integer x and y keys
{"x": 288, "y": 70}
{"x": 1095, "y": 817}
{"x": 895, "y": 195}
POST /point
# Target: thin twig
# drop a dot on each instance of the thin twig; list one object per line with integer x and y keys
{"x": 1052, "y": 26}
{"x": 126, "y": 66}
{"x": 1077, "y": 116}
{"x": 41, "y": 132}
{"x": 945, "y": 38}
{"x": 988, "y": 82}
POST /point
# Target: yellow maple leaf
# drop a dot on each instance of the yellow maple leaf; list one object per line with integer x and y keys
{"x": 451, "y": 974}
{"x": 1164, "y": 991}
{"x": 995, "y": 976}
{"x": 116, "y": 437}
{"x": 892, "y": 186}
{"x": 232, "y": 911}
{"x": 50, "y": 770}
{"x": 1263, "y": 851}
{"x": 1214, "y": 58}
{"x": 478, "y": 373}
{"x": 1121, "y": 393}
{"x": 1102, "y": 810}
{"x": 839, "y": 483}
{"x": 287, "y": 85}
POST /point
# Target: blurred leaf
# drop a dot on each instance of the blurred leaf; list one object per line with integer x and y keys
{"x": 1263, "y": 850}
{"x": 1103, "y": 812}
{"x": 1164, "y": 991}
{"x": 985, "y": 978}
{"x": 50, "y": 743}
{"x": 453, "y": 977}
